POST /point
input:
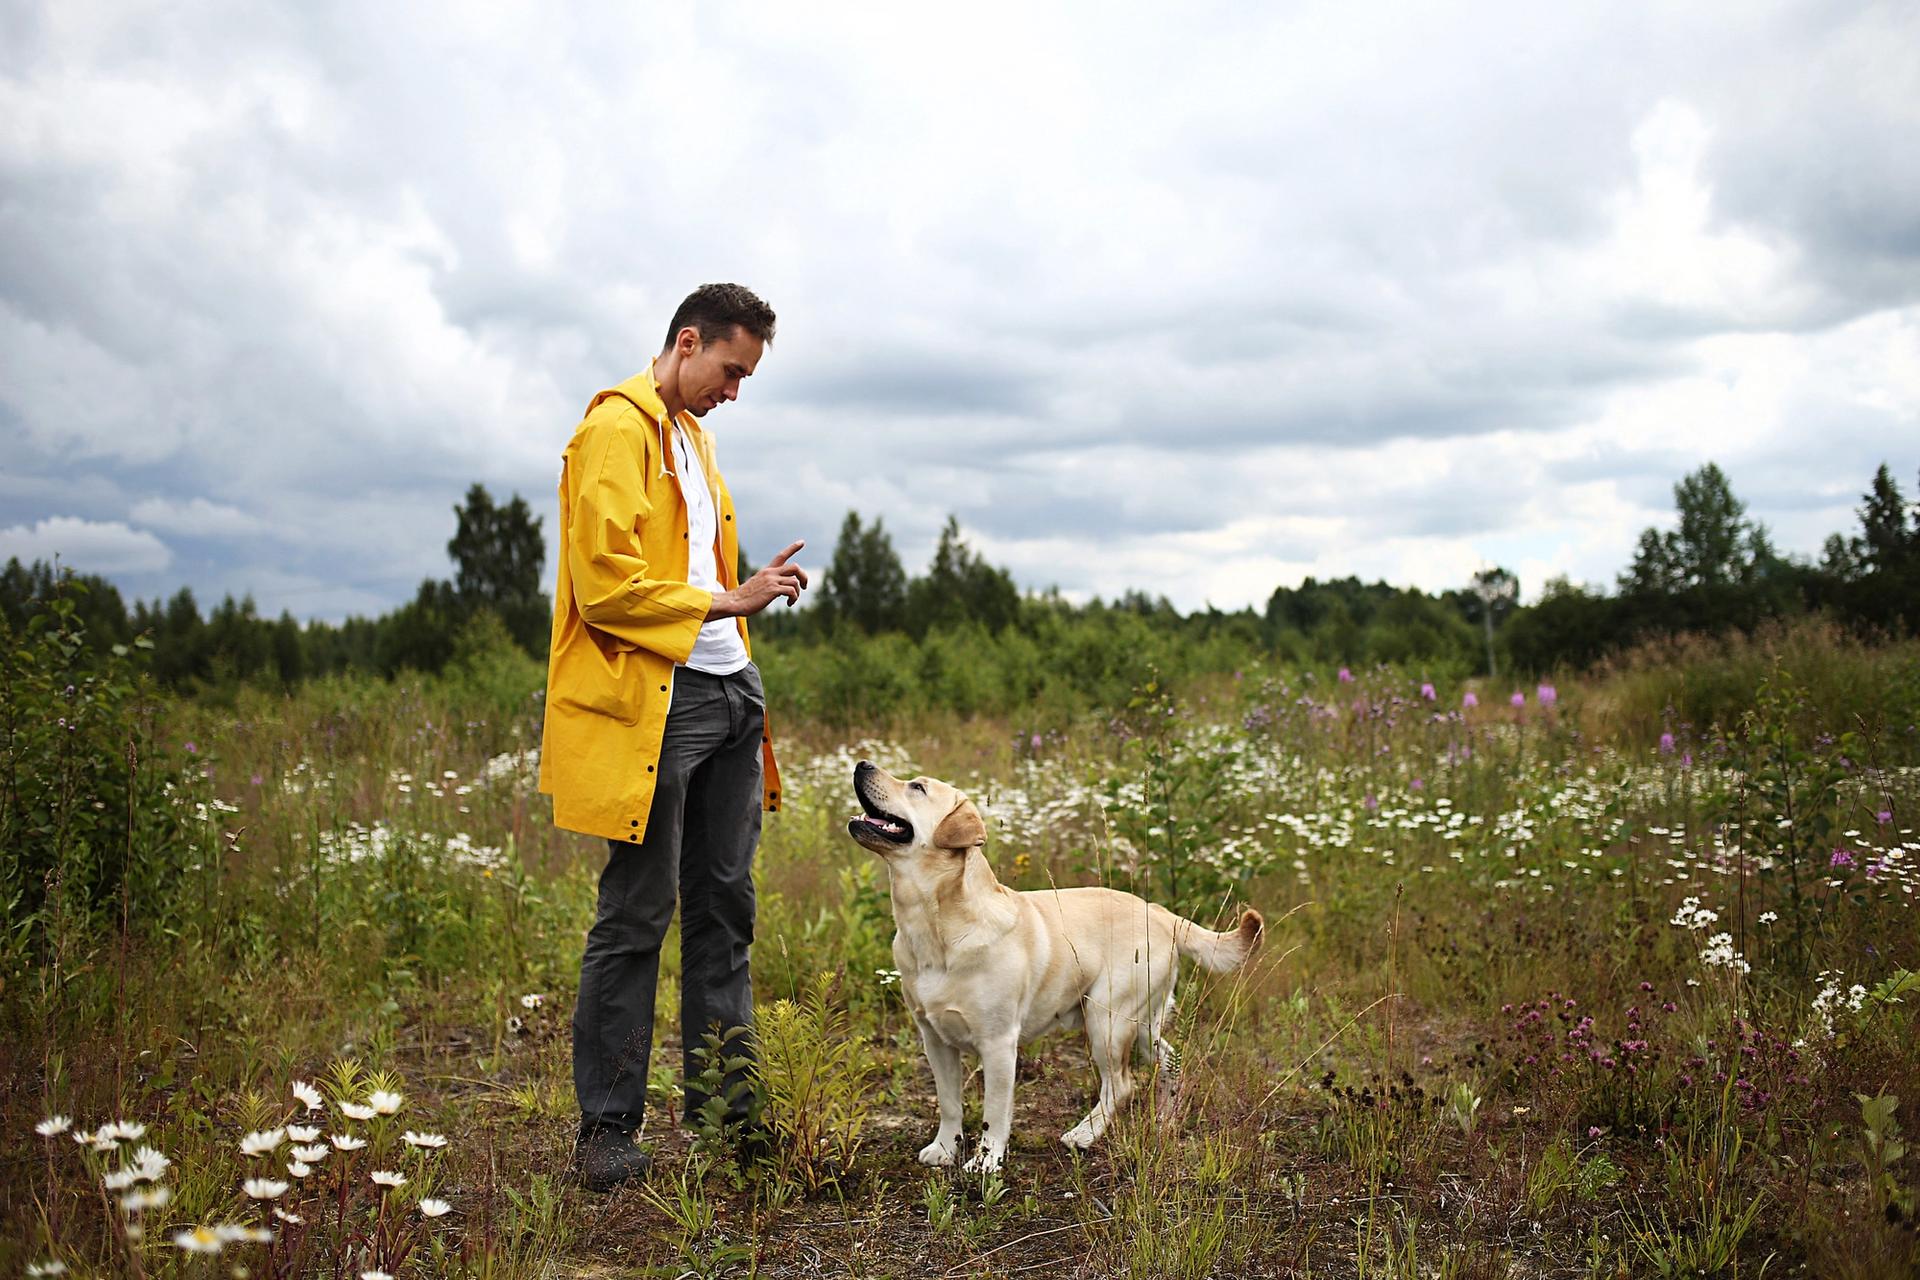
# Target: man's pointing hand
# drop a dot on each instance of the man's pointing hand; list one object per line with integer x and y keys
{"x": 778, "y": 580}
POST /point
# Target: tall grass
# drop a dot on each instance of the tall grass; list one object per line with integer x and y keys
{"x": 1520, "y": 971}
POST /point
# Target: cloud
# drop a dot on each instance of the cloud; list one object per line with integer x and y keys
{"x": 86, "y": 545}
{"x": 1387, "y": 294}
{"x": 197, "y": 517}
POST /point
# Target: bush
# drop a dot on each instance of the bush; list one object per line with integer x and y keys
{"x": 93, "y": 813}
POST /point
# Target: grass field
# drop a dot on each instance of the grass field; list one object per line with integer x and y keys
{"x": 1565, "y": 988}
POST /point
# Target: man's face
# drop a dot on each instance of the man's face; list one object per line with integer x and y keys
{"x": 710, "y": 372}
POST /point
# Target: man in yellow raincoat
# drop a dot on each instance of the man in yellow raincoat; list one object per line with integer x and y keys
{"x": 655, "y": 736}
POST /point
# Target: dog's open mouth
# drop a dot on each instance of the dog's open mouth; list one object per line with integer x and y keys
{"x": 880, "y": 822}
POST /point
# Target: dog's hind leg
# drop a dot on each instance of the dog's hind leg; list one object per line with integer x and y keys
{"x": 1155, "y": 1049}
{"x": 1111, "y": 1038}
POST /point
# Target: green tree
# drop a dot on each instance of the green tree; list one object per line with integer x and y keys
{"x": 499, "y": 554}
{"x": 1714, "y": 545}
{"x": 98, "y": 609}
{"x": 961, "y": 587}
{"x": 865, "y": 585}
{"x": 289, "y": 650}
{"x": 1889, "y": 528}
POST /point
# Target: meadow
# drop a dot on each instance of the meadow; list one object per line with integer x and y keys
{"x": 1612, "y": 975}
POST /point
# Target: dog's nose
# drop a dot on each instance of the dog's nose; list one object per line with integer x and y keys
{"x": 865, "y": 766}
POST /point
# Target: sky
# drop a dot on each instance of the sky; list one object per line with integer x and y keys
{"x": 1197, "y": 300}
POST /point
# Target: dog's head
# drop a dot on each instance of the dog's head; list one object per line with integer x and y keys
{"x": 921, "y": 816}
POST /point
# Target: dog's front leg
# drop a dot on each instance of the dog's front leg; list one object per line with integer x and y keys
{"x": 948, "y": 1077}
{"x": 997, "y": 1059}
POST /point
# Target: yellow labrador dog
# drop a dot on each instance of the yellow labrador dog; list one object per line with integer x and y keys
{"x": 987, "y": 969}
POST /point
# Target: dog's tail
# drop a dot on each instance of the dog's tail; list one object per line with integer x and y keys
{"x": 1219, "y": 952}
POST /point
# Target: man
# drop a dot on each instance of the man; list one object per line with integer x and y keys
{"x": 655, "y": 734}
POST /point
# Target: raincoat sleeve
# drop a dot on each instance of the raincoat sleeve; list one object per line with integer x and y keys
{"x": 616, "y": 589}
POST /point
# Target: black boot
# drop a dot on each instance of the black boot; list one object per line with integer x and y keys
{"x": 607, "y": 1158}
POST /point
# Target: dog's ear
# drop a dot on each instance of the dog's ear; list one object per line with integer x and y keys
{"x": 960, "y": 830}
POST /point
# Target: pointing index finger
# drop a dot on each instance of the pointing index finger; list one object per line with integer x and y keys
{"x": 782, "y": 557}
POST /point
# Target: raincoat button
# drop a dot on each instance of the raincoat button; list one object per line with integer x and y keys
{"x": 634, "y": 823}
{"x": 633, "y": 837}
{"x": 663, "y": 688}
{"x": 649, "y": 768}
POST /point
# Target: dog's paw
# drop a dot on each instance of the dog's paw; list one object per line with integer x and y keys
{"x": 939, "y": 1154}
{"x": 1080, "y": 1137}
{"x": 985, "y": 1160}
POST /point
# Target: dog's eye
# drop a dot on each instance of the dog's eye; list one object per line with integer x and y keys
{"x": 914, "y": 786}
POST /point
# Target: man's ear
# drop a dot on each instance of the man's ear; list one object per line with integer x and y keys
{"x": 961, "y": 829}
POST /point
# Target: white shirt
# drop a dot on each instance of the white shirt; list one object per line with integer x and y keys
{"x": 719, "y": 650}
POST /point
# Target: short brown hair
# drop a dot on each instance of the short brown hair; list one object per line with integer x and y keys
{"x": 714, "y": 310}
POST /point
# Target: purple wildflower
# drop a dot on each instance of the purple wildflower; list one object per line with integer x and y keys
{"x": 1346, "y": 676}
{"x": 1469, "y": 700}
{"x": 1426, "y": 691}
{"x": 1418, "y": 785}
{"x": 1883, "y": 817}
{"x": 1841, "y": 858}
{"x": 1666, "y": 744}
{"x": 1518, "y": 699}
{"x": 1370, "y": 802}
{"x": 192, "y": 749}
{"x": 1548, "y": 695}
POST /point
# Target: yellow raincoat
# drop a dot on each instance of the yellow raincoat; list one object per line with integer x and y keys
{"x": 623, "y": 613}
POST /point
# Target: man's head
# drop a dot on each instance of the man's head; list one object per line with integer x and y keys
{"x": 716, "y": 339}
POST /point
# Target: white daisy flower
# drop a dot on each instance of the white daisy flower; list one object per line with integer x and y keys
{"x": 303, "y": 1132}
{"x": 375, "y": 1275}
{"x": 199, "y": 1240}
{"x": 388, "y": 1178}
{"x": 265, "y": 1188}
{"x": 149, "y": 1164}
{"x": 120, "y": 1179}
{"x": 53, "y": 1268}
{"x": 310, "y": 1155}
{"x": 384, "y": 1102}
{"x": 146, "y": 1198}
{"x": 347, "y": 1142}
{"x": 355, "y": 1111}
{"x": 532, "y": 1000}
{"x": 258, "y": 1144}
{"x": 284, "y": 1216}
{"x": 308, "y": 1095}
{"x": 239, "y": 1233}
{"x": 50, "y": 1127}
{"x": 125, "y": 1130}
{"x": 434, "y": 1208}
{"x": 430, "y": 1140}
{"x": 298, "y": 1170}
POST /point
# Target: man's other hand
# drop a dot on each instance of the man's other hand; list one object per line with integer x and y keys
{"x": 777, "y": 581}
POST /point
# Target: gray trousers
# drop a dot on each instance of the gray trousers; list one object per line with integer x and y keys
{"x": 701, "y": 834}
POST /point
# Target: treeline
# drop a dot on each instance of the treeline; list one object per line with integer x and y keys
{"x": 963, "y": 635}
{"x": 498, "y": 554}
